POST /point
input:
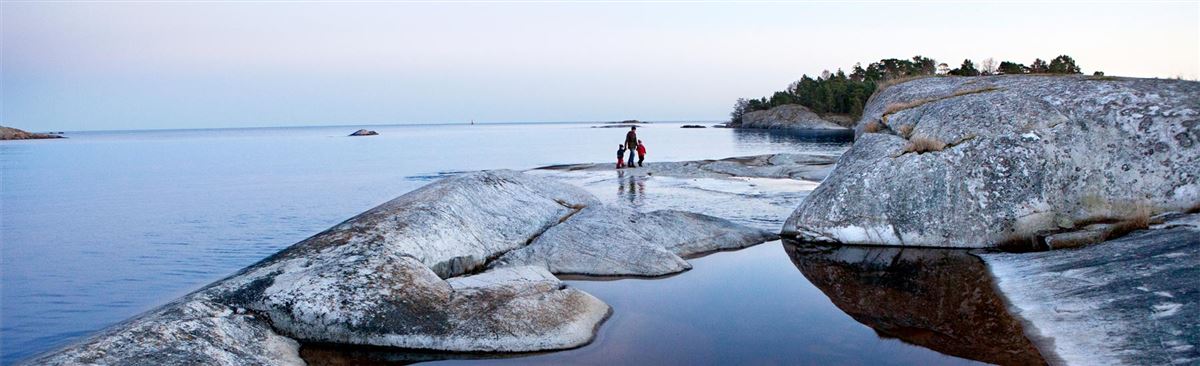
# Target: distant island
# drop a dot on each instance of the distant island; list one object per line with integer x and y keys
{"x": 9, "y": 133}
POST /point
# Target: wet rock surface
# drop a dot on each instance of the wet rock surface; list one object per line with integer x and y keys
{"x": 1133, "y": 300}
{"x": 614, "y": 241}
{"x": 935, "y": 298}
{"x": 788, "y": 116}
{"x": 414, "y": 273}
{"x": 812, "y": 167}
{"x": 985, "y": 161}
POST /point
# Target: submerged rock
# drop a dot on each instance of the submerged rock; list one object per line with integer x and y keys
{"x": 613, "y": 241}
{"x": 788, "y": 116}
{"x": 940, "y": 299}
{"x": 813, "y": 167}
{"x": 985, "y": 161}
{"x": 1132, "y": 300}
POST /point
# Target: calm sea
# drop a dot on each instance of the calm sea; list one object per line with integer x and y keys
{"x": 104, "y": 225}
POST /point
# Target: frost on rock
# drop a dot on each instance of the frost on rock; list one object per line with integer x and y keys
{"x": 1133, "y": 301}
{"x": 609, "y": 240}
{"x": 985, "y": 161}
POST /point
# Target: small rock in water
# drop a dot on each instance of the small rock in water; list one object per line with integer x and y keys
{"x": 364, "y": 132}
{"x": 692, "y": 126}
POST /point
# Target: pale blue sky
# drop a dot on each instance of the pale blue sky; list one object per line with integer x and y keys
{"x": 135, "y": 65}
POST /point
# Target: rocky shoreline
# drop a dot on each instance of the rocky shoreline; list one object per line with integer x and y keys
{"x": 1101, "y": 172}
{"x": 417, "y": 273}
{"x": 1076, "y": 197}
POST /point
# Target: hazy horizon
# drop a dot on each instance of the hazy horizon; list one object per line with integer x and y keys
{"x": 76, "y": 66}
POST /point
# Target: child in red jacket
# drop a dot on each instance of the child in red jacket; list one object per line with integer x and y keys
{"x": 641, "y": 149}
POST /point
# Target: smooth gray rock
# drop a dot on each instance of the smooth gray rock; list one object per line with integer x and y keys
{"x": 612, "y": 241}
{"x": 186, "y": 332}
{"x": 788, "y": 116}
{"x": 403, "y": 274}
{"x": 980, "y": 162}
{"x": 377, "y": 279}
{"x": 812, "y": 167}
{"x": 1134, "y": 300}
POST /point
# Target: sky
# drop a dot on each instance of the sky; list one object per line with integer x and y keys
{"x": 117, "y": 65}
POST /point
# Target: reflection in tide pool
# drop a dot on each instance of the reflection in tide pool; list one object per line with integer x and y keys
{"x": 936, "y": 298}
{"x": 749, "y": 306}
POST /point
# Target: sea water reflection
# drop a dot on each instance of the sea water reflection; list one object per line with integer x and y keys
{"x": 941, "y": 299}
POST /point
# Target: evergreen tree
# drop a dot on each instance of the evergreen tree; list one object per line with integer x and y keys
{"x": 1011, "y": 68}
{"x": 967, "y": 69}
{"x": 1038, "y": 67}
{"x": 1064, "y": 64}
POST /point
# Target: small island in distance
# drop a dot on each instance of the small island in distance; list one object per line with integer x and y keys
{"x": 9, "y": 133}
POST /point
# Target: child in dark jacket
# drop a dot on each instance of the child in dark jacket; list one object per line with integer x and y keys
{"x": 620, "y": 156}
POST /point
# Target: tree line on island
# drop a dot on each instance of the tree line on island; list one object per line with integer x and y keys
{"x": 839, "y": 93}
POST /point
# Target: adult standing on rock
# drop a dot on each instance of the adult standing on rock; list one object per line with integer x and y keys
{"x": 631, "y": 143}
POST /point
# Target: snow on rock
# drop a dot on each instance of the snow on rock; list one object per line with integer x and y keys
{"x": 611, "y": 240}
{"x": 985, "y": 161}
{"x": 1134, "y": 300}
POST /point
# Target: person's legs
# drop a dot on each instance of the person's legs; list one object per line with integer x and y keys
{"x": 632, "y": 152}
{"x": 641, "y": 158}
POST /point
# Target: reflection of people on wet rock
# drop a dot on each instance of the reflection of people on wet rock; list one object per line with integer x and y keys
{"x": 631, "y": 187}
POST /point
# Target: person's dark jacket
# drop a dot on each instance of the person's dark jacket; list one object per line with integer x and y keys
{"x": 631, "y": 140}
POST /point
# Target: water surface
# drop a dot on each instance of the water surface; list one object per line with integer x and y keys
{"x": 105, "y": 225}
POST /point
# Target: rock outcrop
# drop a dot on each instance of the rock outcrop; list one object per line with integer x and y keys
{"x": 788, "y": 116}
{"x": 812, "y": 167}
{"x": 364, "y": 132}
{"x": 9, "y": 133}
{"x": 613, "y": 241}
{"x": 415, "y": 273}
{"x": 987, "y": 161}
{"x": 942, "y": 299}
{"x": 1133, "y": 300}
{"x": 189, "y": 331}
